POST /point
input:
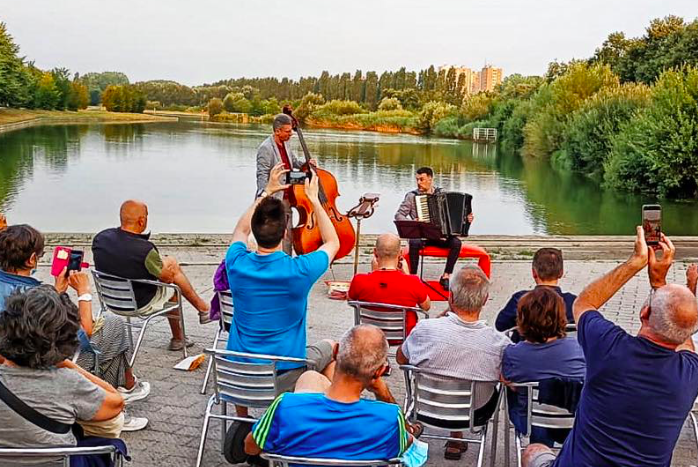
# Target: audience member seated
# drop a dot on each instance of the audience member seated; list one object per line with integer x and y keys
{"x": 547, "y": 270}
{"x": 545, "y": 353}
{"x": 38, "y": 336}
{"x": 390, "y": 281}
{"x": 639, "y": 389}
{"x": 21, "y": 247}
{"x": 461, "y": 345}
{"x": 127, "y": 252}
{"x": 270, "y": 288}
{"x": 330, "y": 420}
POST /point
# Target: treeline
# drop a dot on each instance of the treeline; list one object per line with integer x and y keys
{"x": 627, "y": 117}
{"x": 123, "y": 98}
{"x": 257, "y": 95}
{"x": 24, "y": 85}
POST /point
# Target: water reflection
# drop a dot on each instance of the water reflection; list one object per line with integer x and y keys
{"x": 199, "y": 178}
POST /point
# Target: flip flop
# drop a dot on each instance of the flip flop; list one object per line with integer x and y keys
{"x": 455, "y": 449}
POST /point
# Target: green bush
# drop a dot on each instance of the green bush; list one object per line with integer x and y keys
{"x": 390, "y": 103}
{"x": 339, "y": 107}
{"x": 588, "y": 133}
{"x": 657, "y": 149}
{"x": 432, "y": 112}
{"x": 555, "y": 101}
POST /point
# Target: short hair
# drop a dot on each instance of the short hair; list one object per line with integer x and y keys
{"x": 281, "y": 120}
{"x": 547, "y": 262}
{"x": 469, "y": 289}
{"x": 269, "y": 222}
{"x": 17, "y": 244}
{"x": 667, "y": 318}
{"x": 38, "y": 328}
{"x": 426, "y": 170}
{"x": 363, "y": 350}
{"x": 540, "y": 315}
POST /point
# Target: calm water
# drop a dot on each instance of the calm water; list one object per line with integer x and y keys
{"x": 200, "y": 179}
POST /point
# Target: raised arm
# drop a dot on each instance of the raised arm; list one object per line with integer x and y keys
{"x": 330, "y": 240}
{"x": 692, "y": 277}
{"x": 243, "y": 227}
{"x": 601, "y": 290}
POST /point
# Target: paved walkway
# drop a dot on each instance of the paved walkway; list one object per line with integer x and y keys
{"x": 175, "y": 407}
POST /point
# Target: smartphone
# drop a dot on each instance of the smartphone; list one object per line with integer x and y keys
{"x": 75, "y": 261}
{"x": 652, "y": 223}
{"x": 295, "y": 177}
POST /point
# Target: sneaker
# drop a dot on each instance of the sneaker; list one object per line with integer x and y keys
{"x": 138, "y": 392}
{"x": 178, "y": 344}
{"x": 134, "y": 423}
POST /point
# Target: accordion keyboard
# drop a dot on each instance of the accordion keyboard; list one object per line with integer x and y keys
{"x": 422, "y": 208}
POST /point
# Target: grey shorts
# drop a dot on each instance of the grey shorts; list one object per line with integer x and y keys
{"x": 543, "y": 459}
{"x": 319, "y": 355}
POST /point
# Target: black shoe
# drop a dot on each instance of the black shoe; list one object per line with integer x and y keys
{"x": 234, "y": 448}
{"x": 443, "y": 282}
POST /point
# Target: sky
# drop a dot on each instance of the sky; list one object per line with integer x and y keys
{"x": 196, "y": 42}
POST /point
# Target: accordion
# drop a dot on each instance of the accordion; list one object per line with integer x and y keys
{"x": 447, "y": 211}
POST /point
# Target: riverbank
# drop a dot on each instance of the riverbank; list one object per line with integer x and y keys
{"x": 15, "y": 119}
{"x": 500, "y": 247}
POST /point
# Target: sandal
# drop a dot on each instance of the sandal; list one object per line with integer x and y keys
{"x": 415, "y": 429}
{"x": 455, "y": 449}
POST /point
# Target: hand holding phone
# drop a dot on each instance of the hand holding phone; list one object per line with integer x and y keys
{"x": 652, "y": 224}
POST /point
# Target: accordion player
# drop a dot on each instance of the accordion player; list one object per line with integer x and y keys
{"x": 451, "y": 211}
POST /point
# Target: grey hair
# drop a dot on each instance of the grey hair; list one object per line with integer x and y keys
{"x": 666, "y": 305}
{"x": 469, "y": 289}
{"x": 363, "y": 349}
{"x": 281, "y": 120}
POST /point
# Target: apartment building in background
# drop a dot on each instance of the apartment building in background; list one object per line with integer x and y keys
{"x": 477, "y": 81}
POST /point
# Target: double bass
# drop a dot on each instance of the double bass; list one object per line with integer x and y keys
{"x": 306, "y": 235}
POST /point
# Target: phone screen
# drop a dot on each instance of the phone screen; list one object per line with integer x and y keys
{"x": 74, "y": 264}
{"x": 652, "y": 223}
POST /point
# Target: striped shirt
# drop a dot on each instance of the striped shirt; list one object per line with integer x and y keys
{"x": 454, "y": 348}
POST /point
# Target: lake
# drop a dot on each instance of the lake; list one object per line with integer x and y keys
{"x": 200, "y": 178}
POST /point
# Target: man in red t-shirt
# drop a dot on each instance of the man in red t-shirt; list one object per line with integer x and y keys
{"x": 390, "y": 282}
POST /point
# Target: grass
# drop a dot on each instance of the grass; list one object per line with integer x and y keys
{"x": 19, "y": 115}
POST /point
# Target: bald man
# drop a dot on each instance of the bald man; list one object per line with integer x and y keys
{"x": 390, "y": 281}
{"x": 125, "y": 251}
{"x": 638, "y": 389}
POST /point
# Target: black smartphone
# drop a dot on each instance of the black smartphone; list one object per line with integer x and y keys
{"x": 652, "y": 223}
{"x": 75, "y": 261}
{"x": 295, "y": 177}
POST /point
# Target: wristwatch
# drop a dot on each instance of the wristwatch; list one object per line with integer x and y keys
{"x": 86, "y": 297}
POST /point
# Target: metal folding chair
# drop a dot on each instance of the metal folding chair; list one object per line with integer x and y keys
{"x": 116, "y": 295}
{"x": 390, "y": 319}
{"x": 246, "y": 383}
{"x": 693, "y": 414}
{"x": 61, "y": 455}
{"x": 276, "y": 460}
{"x": 537, "y": 415}
{"x": 225, "y": 299}
{"x": 445, "y": 404}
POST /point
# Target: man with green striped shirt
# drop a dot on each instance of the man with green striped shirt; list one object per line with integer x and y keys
{"x": 330, "y": 420}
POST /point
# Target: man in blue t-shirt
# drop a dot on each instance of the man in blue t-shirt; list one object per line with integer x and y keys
{"x": 270, "y": 289}
{"x": 638, "y": 390}
{"x": 330, "y": 420}
{"x": 547, "y": 270}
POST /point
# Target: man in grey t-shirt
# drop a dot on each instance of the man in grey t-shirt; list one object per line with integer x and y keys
{"x": 461, "y": 346}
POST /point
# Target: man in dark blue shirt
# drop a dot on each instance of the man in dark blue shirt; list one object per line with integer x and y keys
{"x": 639, "y": 389}
{"x": 547, "y": 270}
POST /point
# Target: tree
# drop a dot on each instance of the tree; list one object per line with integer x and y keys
{"x": 389, "y": 103}
{"x": 79, "y": 97}
{"x": 214, "y": 107}
{"x": 47, "y": 94}
{"x": 61, "y": 78}
{"x": 371, "y": 90}
{"x": 12, "y": 76}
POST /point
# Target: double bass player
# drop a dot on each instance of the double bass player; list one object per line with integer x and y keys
{"x": 274, "y": 150}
